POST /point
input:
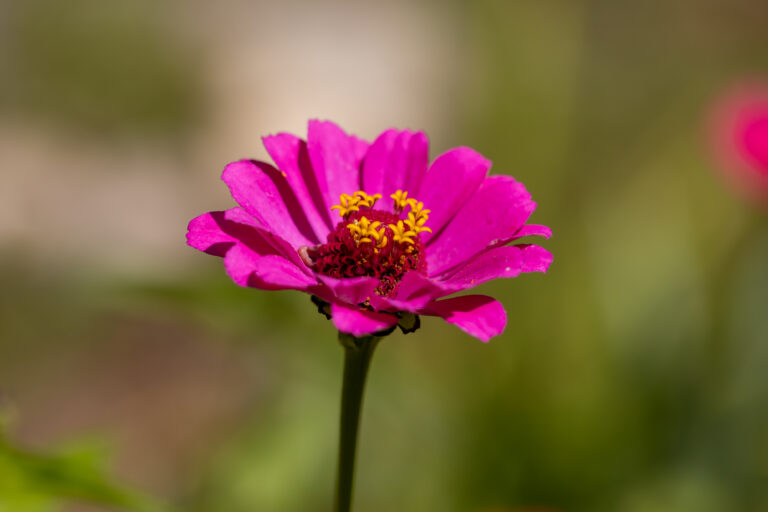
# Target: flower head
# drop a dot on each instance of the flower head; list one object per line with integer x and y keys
{"x": 374, "y": 230}
{"x": 739, "y": 129}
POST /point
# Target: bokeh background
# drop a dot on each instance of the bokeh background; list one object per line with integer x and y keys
{"x": 134, "y": 375}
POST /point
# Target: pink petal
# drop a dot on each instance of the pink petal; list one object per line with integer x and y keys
{"x": 360, "y": 322}
{"x": 533, "y": 230}
{"x": 525, "y": 231}
{"x": 755, "y": 140}
{"x": 397, "y": 160}
{"x": 495, "y": 212}
{"x": 738, "y": 128}
{"x": 413, "y": 293}
{"x": 352, "y": 290}
{"x": 477, "y": 315}
{"x": 360, "y": 148}
{"x": 279, "y": 244}
{"x": 266, "y": 195}
{"x": 277, "y": 273}
{"x": 509, "y": 261}
{"x": 239, "y": 262}
{"x": 248, "y": 249}
{"x": 211, "y": 233}
{"x": 216, "y": 232}
{"x": 336, "y": 158}
{"x": 450, "y": 181}
{"x": 271, "y": 272}
{"x": 291, "y": 157}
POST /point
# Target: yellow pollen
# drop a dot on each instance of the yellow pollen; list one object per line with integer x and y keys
{"x": 401, "y": 199}
{"x": 417, "y": 216}
{"x": 365, "y": 232}
{"x": 366, "y": 200}
{"x": 401, "y": 234}
{"x": 417, "y": 207}
{"x": 417, "y": 223}
{"x": 348, "y": 204}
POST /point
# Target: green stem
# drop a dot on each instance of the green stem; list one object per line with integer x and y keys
{"x": 357, "y": 358}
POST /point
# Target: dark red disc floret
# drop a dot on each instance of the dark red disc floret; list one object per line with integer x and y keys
{"x": 341, "y": 256}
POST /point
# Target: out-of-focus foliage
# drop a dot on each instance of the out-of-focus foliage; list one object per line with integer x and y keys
{"x": 31, "y": 482}
{"x": 98, "y": 67}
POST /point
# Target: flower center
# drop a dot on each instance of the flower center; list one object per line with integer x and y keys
{"x": 370, "y": 242}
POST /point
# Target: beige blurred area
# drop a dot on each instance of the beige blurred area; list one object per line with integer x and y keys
{"x": 121, "y": 204}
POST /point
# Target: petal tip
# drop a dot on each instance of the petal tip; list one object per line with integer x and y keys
{"x": 479, "y": 316}
{"x": 537, "y": 259}
{"x": 359, "y": 322}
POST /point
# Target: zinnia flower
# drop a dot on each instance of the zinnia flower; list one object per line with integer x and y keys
{"x": 739, "y": 128}
{"x": 373, "y": 230}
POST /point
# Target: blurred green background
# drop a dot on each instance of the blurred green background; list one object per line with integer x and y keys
{"x": 632, "y": 377}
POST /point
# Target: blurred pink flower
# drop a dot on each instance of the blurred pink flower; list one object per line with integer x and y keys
{"x": 387, "y": 254}
{"x": 739, "y": 128}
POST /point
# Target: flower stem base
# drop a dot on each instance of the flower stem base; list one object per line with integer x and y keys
{"x": 357, "y": 359}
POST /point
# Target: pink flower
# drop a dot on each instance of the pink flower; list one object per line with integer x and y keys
{"x": 739, "y": 128}
{"x": 373, "y": 230}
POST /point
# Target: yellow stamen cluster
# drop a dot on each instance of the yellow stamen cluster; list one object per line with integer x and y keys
{"x": 401, "y": 233}
{"x": 401, "y": 200}
{"x": 366, "y": 200}
{"x": 348, "y": 204}
{"x": 417, "y": 216}
{"x": 366, "y": 231}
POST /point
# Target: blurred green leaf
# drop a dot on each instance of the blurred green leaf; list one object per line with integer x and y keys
{"x": 32, "y": 482}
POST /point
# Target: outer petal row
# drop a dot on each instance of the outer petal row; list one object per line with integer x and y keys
{"x": 508, "y": 261}
{"x": 248, "y": 250}
{"x": 478, "y": 315}
{"x": 291, "y": 156}
{"x": 251, "y": 259}
{"x": 469, "y": 219}
{"x": 496, "y": 211}
{"x": 265, "y": 194}
{"x": 450, "y": 181}
{"x": 215, "y": 232}
{"x": 360, "y": 322}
